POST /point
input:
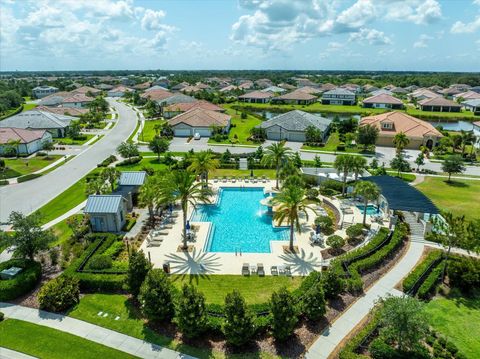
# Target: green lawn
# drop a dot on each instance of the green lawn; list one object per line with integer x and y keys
{"x": 148, "y": 132}
{"x": 130, "y": 323}
{"x": 462, "y": 197}
{"x": 241, "y": 128}
{"x": 255, "y": 289}
{"x": 145, "y": 162}
{"x": 458, "y": 318}
{"x": 332, "y": 143}
{"x": 62, "y": 231}
{"x": 269, "y": 173}
{"x": 130, "y": 138}
{"x": 48, "y": 343}
{"x": 29, "y": 106}
{"x": 22, "y": 166}
{"x": 69, "y": 141}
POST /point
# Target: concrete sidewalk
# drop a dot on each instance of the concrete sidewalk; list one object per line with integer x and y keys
{"x": 332, "y": 336}
{"x": 90, "y": 332}
{"x": 11, "y": 354}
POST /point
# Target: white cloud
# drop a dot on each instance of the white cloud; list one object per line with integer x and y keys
{"x": 152, "y": 20}
{"x": 371, "y": 36}
{"x": 416, "y": 11}
{"x": 476, "y": 2}
{"x": 462, "y": 28}
{"x": 357, "y": 15}
{"x": 422, "y": 41}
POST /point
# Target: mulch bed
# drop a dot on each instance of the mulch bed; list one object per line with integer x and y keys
{"x": 328, "y": 253}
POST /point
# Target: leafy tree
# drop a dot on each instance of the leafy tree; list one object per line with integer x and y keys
{"x": 348, "y": 125}
{"x": 400, "y": 140}
{"x": 226, "y": 156}
{"x": 403, "y": 322}
{"x": 325, "y": 223}
{"x": 149, "y": 195}
{"x": 332, "y": 282}
{"x": 276, "y": 155}
{"x": 291, "y": 203}
{"x": 367, "y": 136}
{"x": 47, "y": 146}
{"x": 400, "y": 164}
{"x": 158, "y": 145}
{"x": 258, "y": 134}
{"x": 12, "y": 147}
{"x": 238, "y": 326}
{"x": 156, "y": 296}
{"x": 317, "y": 162}
{"x": 28, "y": 236}
{"x": 335, "y": 242}
{"x": 453, "y": 164}
{"x": 59, "y": 294}
{"x": 259, "y": 153}
{"x": 359, "y": 164}
{"x": 297, "y": 160}
{"x": 138, "y": 268}
{"x": 284, "y": 314}
{"x": 313, "y": 134}
{"x": 344, "y": 164}
{"x": 110, "y": 175}
{"x": 374, "y": 163}
{"x": 313, "y": 302}
{"x": 73, "y": 130}
{"x": 191, "y": 315}
{"x": 420, "y": 161}
{"x": 203, "y": 162}
{"x": 127, "y": 150}
{"x": 369, "y": 191}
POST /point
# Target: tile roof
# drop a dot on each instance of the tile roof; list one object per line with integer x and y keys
{"x": 297, "y": 95}
{"x": 297, "y": 120}
{"x": 257, "y": 94}
{"x": 474, "y": 102}
{"x": 156, "y": 95}
{"x": 37, "y": 120}
{"x": 103, "y": 204}
{"x": 274, "y": 89}
{"x": 402, "y": 122}
{"x": 187, "y": 106}
{"x": 24, "y": 136}
{"x": 423, "y": 93}
{"x": 381, "y": 92}
{"x": 54, "y": 99}
{"x": 339, "y": 91}
{"x": 132, "y": 178}
{"x": 383, "y": 98}
{"x": 438, "y": 101}
{"x": 178, "y": 98}
{"x": 201, "y": 118}
{"x": 77, "y": 98}
{"x": 468, "y": 95}
{"x": 68, "y": 111}
{"x": 85, "y": 89}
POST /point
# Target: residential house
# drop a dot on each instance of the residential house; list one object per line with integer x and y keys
{"x": 420, "y": 133}
{"x": 156, "y": 95}
{"x": 411, "y": 88}
{"x": 422, "y": 94}
{"x": 338, "y": 96}
{"x": 472, "y": 105}
{"x": 107, "y": 213}
{"x": 143, "y": 86}
{"x": 309, "y": 89}
{"x": 381, "y": 92}
{"x": 274, "y": 90}
{"x": 461, "y": 87}
{"x": 104, "y": 87}
{"x": 435, "y": 88}
{"x": 439, "y": 104}
{"x": 192, "y": 89}
{"x": 178, "y": 108}
{"x": 77, "y": 100}
{"x": 399, "y": 91}
{"x": 43, "y": 91}
{"x": 68, "y": 111}
{"x": 256, "y": 97}
{"x": 450, "y": 92}
{"x": 352, "y": 87}
{"x": 180, "y": 86}
{"x": 156, "y": 87}
{"x": 467, "y": 95}
{"x": 389, "y": 87}
{"x": 302, "y": 82}
{"x": 263, "y": 83}
{"x": 129, "y": 185}
{"x": 292, "y": 126}
{"x": 476, "y": 132}
{"x": 162, "y": 81}
{"x": 326, "y": 87}
{"x": 177, "y": 98}
{"x": 296, "y": 97}
{"x": 118, "y": 91}
{"x": 55, "y": 99}
{"x": 369, "y": 88}
{"x": 56, "y": 124}
{"x": 201, "y": 121}
{"x": 87, "y": 91}
{"x": 229, "y": 88}
{"x": 246, "y": 84}
{"x": 476, "y": 89}
{"x": 286, "y": 86}
{"x": 383, "y": 101}
{"x": 28, "y": 141}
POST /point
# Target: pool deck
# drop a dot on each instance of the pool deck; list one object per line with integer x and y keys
{"x": 200, "y": 262}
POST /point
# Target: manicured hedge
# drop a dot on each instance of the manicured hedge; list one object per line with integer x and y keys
{"x": 348, "y": 351}
{"x": 107, "y": 161}
{"x": 430, "y": 284}
{"x": 418, "y": 271}
{"x": 28, "y": 177}
{"x": 23, "y": 282}
{"x": 3, "y": 182}
{"x": 129, "y": 161}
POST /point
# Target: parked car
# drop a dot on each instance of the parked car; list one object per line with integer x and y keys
{"x": 196, "y": 136}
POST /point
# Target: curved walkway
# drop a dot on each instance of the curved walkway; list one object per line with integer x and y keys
{"x": 343, "y": 325}
{"x": 90, "y": 332}
{"x": 12, "y": 354}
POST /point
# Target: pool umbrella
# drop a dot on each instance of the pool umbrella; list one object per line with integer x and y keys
{"x": 187, "y": 227}
{"x": 251, "y": 173}
{"x": 317, "y": 229}
{"x": 170, "y": 207}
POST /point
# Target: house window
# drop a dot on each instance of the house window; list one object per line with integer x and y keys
{"x": 387, "y": 125}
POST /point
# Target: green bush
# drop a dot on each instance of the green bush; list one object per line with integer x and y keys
{"x": 59, "y": 294}
{"x": 313, "y": 302}
{"x": 430, "y": 284}
{"x": 451, "y": 348}
{"x": 129, "y": 224}
{"x": 2, "y": 316}
{"x": 381, "y": 350}
{"x": 284, "y": 314}
{"x": 28, "y": 177}
{"x": 238, "y": 325}
{"x": 329, "y": 192}
{"x": 129, "y": 161}
{"x": 99, "y": 262}
{"x": 156, "y": 296}
{"x": 331, "y": 184}
{"x": 325, "y": 223}
{"x": 335, "y": 242}
{"x": 138, "y": 267}
{"x": 333, "y": 282}
{"x": 418, "y": 271}
{"x": 3, "y": 182}
{"x": 355, "y": 230}
{"x": 191, "y": 316}
{"x": 348, "y": 351}
{"x": 107, "y": 161}
{"x": 312, "y": 193}
{"x": 341, "y": 146}
{"x": 464, "y": 273}
{"x": 115, "y": 249}
{"x": 23, "y": 282}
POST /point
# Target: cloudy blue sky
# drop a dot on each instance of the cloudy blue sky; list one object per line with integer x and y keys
{"x": 247, "y": 34}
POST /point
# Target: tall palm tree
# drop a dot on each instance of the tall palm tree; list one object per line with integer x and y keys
{"x": 111, "y": 175}
{"x": 275, "y": 156}
{"x": 359, "y": 163}
{"x": 149, "y": 195}
{"x": 369, "y": 191}
{"x": 400, "y": 141}
{"x": 291, "y": 203}
{"x": 202, "y": 163}
{"x": 181, "y": 186}
{"x": 344, "y": 164}
{"x": 467, "y": 138}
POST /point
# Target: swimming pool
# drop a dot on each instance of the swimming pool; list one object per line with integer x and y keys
{"x": 371, "y": 209}
{"x": 239, "y": 222}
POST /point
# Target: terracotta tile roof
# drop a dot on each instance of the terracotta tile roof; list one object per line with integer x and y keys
{"x": 84, "y": 89}
{"x": 77, "y": 98}
{"x": 423, "y": 93}
{"x": 383, "y": 98}
{"x": 71, "y": 111}
{"x": 309, "y": 89}
{"x": 201, "y": 118}
{"x": 156, "y": 95}
{"x": 121, "y": 89}
{"x": 411, "y": 126}
{"x": 142, "y": 86}
{"x": 438, "y": 101}
{"x": 257, "y": 94}
{"x": 23, "y": 135}
{"x": 296, "y": 95}
{"x": 468, "y": 95}
{"x": 187, "y": 106}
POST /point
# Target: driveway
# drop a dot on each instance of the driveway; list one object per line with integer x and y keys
{"x": 28, "y": 196}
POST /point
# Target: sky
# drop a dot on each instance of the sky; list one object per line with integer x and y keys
{"x": 397, "y": 35}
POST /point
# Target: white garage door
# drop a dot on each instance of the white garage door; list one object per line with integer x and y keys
{"x": 182, "y": 132}
{"x": 204, "y": 132}
{"x": 295, "y": 136}
{"x": 274, "y": 136}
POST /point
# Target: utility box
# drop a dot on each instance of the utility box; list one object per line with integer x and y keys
{"x": 166, "y": 267}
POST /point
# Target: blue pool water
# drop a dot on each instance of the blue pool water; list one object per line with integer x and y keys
{"x": 371, "y": 209}
{"x": 239, "y": 222}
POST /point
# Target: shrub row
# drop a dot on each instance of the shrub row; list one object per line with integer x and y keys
{"x": 420, "y": 269}
{"x": 107, "y": 161}
{"x": 129, "y": 161}
{"x": 348, "y": 351}
{"x": 3, "y": 182}
{"x": 23, "y": 282}
{"x": 28, "y": 177}
{"x": 430, "y": 283}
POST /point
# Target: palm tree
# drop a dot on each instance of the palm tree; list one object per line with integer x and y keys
{"x": 96, "y": 187}
{"x": 369, "y": 191}
{"x": 291, "y": 202}
{"x": 202, "y": 163}
{"x": 149, "y": 195}
{"x": 400, "y": 141}
{"x": 275, "y": 156}
{"x": 467, "y": 138}
{"x": 181, "y": 186}
{"x": 344, "y": 164}
{"x": 359, "y": 163}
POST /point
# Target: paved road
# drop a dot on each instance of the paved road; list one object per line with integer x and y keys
{"x": 29, "y": 196}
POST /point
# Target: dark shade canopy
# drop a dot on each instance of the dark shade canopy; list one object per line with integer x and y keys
{"x": 401, "y": 196}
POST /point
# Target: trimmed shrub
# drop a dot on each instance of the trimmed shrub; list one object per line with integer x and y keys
{"x": 313, "y": 302}
{"x": 355, "y": 231}
{"x": 107, "y": 161}
{"x": 418, "y": 271}
{"x": 328, "y": 192}
{"x": 464, "y": 273}
{"x": 156, "y": 296}
{"x": 59, "y": 294}
{"x": 284, "y": 314}
{"x": 129, "y": 224}
{"x": 99, "y": 262}
{"x": 23, "y": 282}
{"x": 138, "y": 267}
{"x": 238, "y": 326}
{"x": 325, "y": 223}
{"x": 312, "y": 193}
{"x": 2, "y": 316}
{"x": 381, "y": 350}
{"x": 333, "y": 282}
{"x": 335, "y": 242}
{"x": 430, "y": 284}
{"x": 190, "y": 312}
{"x": 129, "y": 161}
{"x": 28, "y": 177}
{"x": 348, "y": 351}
